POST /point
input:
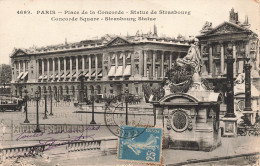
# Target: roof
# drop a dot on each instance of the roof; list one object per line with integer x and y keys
{"x": 230, "y": 28}
{"x": 104, "y": 41}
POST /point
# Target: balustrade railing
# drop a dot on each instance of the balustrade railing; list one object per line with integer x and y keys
{"x": 38, "y": 150}
{"x": 53, "y": 128}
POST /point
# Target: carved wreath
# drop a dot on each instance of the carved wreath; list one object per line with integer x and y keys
{"x": 179, "y": 121}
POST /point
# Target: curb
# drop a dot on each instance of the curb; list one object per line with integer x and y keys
{"x": 213, "y": 159}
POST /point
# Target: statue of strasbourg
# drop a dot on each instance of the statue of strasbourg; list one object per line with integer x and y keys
{"x": 193, "y": 57}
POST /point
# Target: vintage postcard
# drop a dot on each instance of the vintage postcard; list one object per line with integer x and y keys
{"x": 139, "y": 82}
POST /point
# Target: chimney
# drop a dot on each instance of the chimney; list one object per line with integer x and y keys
{"x": 66, "y": 41}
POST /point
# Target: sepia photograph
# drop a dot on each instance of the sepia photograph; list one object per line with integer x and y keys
{"x": 126, "y": 83}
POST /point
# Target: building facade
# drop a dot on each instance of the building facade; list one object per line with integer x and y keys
{"x": 214, "y": 43}
{"x": 109, "y": 64}
{"x": 112, "y": 63}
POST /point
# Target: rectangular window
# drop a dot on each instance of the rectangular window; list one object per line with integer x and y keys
{"x": 67, "y": 64}
{"x": 113, "y": 61}
{"x": 61, "y": 64}
{"x": 93, "y": 63}
{"x": 80, "y": 63}
{"x": 136, "y": 90}
{"x": 86, "y": 62}
{"x": 50, "y": 65}
{"x": 73, "y": 63}
{"x": 99, "y": 61}
{"x": 26, "y": 65}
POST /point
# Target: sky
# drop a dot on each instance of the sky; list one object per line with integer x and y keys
{"x": 27, "y": 30}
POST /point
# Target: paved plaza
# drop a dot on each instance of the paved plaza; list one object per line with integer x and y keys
{"x": 64, "y": 113}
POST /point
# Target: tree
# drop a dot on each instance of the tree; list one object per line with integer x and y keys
{"x": 5, "y": 74}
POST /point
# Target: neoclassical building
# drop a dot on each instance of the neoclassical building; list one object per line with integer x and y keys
{"x": 112, "y": 63}
{"x": 214, "y": 43}
{"x": 109, "y": 64}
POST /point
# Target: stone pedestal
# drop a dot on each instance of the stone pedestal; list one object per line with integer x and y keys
{"x": 230, "y": 127}
{"x": 249, "y": 115}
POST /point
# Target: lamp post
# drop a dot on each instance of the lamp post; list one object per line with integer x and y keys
{"x": 58, "y": 96}
{"x": 25, "y": 107}
{"x": 248, "y": 112}
{"x": 230, "y": 120}
{"x": 45, "y": 102}
{"x": 126, "y": 105}
{"x": 37, "y": 96}
{"x": 81, "y": 96}
{"x": 93, "y": 108}
{"x": 51, "y": 114}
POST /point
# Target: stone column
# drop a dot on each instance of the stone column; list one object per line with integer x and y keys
{"x": 145, "y": 63}
{"x": 59, "y": 69}
{"x": 116, "y": 60}
{"x": 83, "y": 63}
{"x": 36, "y": 70}
{"x": 48, "y": 69}
{"x": 123, "y": 61}
{"x": 42, "y": 68}
{"x": 96, "y": 66}
{"x": 89, "y": 65}
{"x": 154, "y": 56}
{"x": 77, "y": 67}
{"x": 53, "y": 69}
{"x": 71, "y": 68}
{"x": 235, "y": 58}
{"x": 132, "y": 63}
{"x": 15, "y": 74}
{"x": 141, "y": 62}
{"x": 247, "y": 67}
{"x": 24, "y": 62}
{"x": 19, "y": 67}
{"x": 170, "y": 65}
{"x": 162, "y": 64}
{"x": 222, "y": 58}
{"x": 65, "y": 67}
{"x": 210, "y": 59}
{"x": 230, "y": 84}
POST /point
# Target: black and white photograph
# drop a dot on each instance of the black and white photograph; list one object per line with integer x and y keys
{"x": 126, "y": 83}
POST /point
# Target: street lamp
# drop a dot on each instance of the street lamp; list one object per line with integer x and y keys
{"x": 81, "y": 93}
{"x": 93, "y": 108}
{"x": 126, "y": 105}
{"x": 25, "y": 107}
{"x": 37, "y": 97}
{"x": 45, "y": 101}
{"x": 51, "y": 114}
{"x": 58, "y": 95}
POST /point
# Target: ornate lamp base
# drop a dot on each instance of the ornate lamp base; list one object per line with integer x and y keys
{"x": 93, "y": 122}
{"x": 37, "y": 130}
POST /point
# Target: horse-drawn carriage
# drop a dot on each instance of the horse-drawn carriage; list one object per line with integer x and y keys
{"x": 14, "y": 104}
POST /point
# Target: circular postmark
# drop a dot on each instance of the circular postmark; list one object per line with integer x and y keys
{"x": 119, "y": 112}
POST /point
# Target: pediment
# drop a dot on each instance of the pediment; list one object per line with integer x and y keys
{"x": 118, "y": 41}
{"x": 179, "y": 98}
{"x": 226, "y": 28}
{"x": 18, "y": 52}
